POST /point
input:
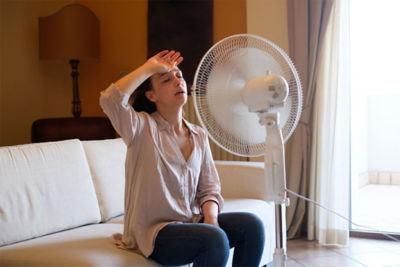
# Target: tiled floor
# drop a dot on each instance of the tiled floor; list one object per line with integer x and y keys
{"x": 360, "y": 252}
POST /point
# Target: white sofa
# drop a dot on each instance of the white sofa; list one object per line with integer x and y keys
{"x": 60, "y": 202}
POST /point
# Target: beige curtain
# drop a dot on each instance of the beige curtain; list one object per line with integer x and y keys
{"x": 330, "y": 156}
{"x": 218, "y": 153}
{"x": 307, "y": 22}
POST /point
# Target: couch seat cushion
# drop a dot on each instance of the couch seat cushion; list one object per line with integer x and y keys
{"x": 92, "y": 245}
{"x": 84, "y": 246}
{"x": 264, "y": 210}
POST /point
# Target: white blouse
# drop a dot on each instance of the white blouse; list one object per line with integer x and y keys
{"x": 161, "y": 187}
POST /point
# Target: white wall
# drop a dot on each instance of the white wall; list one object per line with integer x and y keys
{"x": 383, "y": 132}
{"x": 359, "y": 151}
{"x": 375, "y": 92}
{"x": 375, "y": 131}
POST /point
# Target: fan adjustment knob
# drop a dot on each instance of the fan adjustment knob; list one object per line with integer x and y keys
{"x": 287, "y": 202}
{"x": 270, "y": 123}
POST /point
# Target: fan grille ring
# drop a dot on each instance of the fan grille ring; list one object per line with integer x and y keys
{"x": 229, "y": 62}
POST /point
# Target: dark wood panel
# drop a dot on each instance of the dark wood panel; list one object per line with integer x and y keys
{"x": 86, "y": 128}
{"x": 181, "y": 25}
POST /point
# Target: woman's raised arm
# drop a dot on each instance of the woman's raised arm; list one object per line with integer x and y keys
{"x": 160, "y": 63}
{"x": 114, "y": 100}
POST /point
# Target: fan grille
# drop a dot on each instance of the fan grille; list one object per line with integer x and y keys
{"x": 222, "y": 73}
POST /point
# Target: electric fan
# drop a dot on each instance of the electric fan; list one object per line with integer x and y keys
{"x": 247, "y": 96}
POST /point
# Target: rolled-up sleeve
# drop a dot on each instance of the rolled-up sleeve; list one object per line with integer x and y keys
{"x": 125, "y": 120}
{"x": 209, "y": 186}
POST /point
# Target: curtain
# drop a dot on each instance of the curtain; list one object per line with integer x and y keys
{"x": 330, "y": 156}
{"x": 307, "y": 21}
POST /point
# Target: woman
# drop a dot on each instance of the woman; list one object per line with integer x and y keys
{"x": 172, "y": 189}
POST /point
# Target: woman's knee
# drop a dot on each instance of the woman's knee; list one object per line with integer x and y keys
{"x": 214, "y": 235}
{"x": 215, "y": 239}
{"x": 254, "y": 225}
{"x": 253, "y": 220}
{"x": 248, "y": 224}
{"x": 246, "y": 233}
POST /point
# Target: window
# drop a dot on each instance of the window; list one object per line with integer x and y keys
{"x": 375, "y": 113}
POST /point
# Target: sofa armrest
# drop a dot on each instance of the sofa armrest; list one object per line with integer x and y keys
{"x": 241, "y": 179}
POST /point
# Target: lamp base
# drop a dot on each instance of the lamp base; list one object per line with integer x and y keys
{"x": 76, "y": 102}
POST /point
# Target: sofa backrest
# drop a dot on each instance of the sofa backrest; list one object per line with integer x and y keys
{"x": 44, "y": 188}
{"x": 106, "y": 159}
{"x": 241, "y": 179}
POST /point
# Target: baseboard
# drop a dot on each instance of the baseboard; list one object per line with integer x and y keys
{"x": 372, "y": 235}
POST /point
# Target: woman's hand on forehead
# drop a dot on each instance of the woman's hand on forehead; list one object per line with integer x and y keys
{"x": 164, "y": 61}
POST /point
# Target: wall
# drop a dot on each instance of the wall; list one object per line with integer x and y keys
{"x": 382, "y": 132}
{"x": 358, "y": 141}
{"x": 31, "y": 88}
{"x": 229, "y": 18}
{"x": 123, "y": 45}
{"x": 375, "y": 95}
{"x": 268, "y": 19}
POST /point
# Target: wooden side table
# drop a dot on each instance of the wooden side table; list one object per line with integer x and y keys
{"x": 83, "y": 128}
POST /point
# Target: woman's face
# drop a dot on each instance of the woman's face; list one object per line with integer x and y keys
{"x": 168, "y": 89}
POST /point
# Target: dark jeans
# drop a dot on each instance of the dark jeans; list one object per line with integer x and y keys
{"x": 208, "y": 245}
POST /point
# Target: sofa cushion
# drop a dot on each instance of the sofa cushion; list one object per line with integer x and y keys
{"x": 241, "y": 179}
{"x": 92, "y": 245}
{"x": 44, "y": 188}
{"x": 89, "y": 245}
{"x": 264, "y": 210}
{"x": 107, "y": 164}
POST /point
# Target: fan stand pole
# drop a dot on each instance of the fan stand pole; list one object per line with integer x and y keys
{"x": 280, "y": 237}
{"x": 275, "y": 177}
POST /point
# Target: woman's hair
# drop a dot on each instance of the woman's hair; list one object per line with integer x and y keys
{"x": 139, "y": 100}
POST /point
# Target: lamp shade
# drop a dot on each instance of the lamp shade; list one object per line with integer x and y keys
{"x": 70, "y": 33}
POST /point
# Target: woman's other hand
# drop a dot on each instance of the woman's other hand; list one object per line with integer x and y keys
{"x": 210, "y": 212}
{"x": 211, "y": 221}
{"x": 163, "y": 61}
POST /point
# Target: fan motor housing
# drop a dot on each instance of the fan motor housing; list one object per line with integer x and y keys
{"x": 261, "y": 94}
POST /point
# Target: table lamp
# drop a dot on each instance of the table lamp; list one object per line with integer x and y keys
{"x": 73, "y": 34}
